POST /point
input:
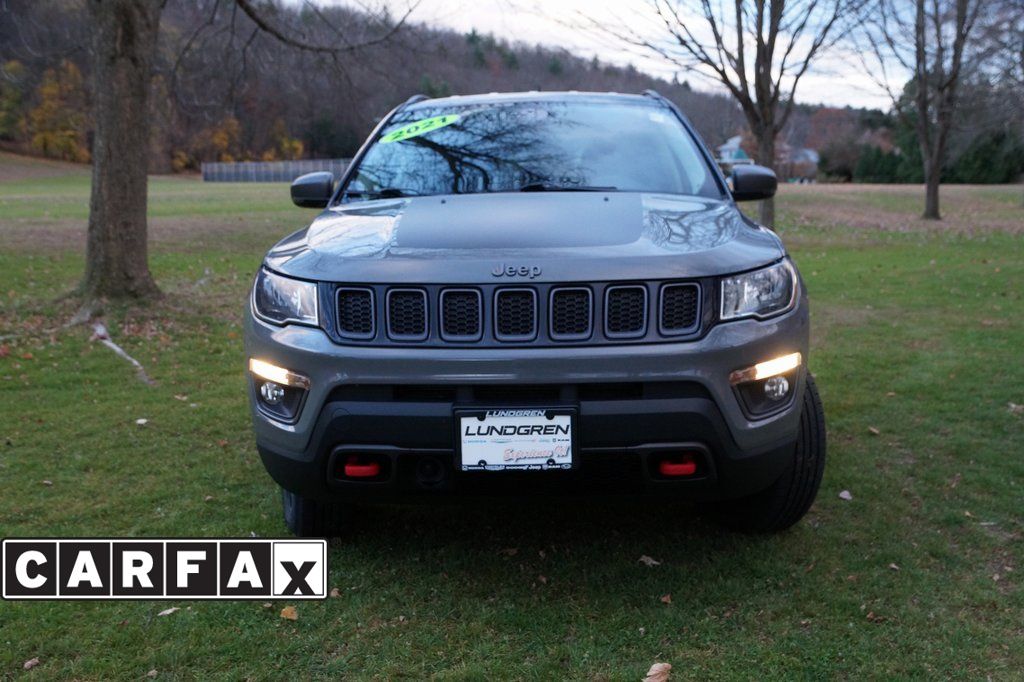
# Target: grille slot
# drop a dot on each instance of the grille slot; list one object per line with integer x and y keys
{"x": 407, "y": 314}
{"x": 460, "y": 315}
{"x": 680, "y": 305}
{"x": 571, "y": 314}
{"x": 515, "y": 314}
{"x": 355, "y": 313}
{"x": 625, "y": 311}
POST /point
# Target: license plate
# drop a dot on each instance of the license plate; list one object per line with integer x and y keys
{"x": 515, "y": 439}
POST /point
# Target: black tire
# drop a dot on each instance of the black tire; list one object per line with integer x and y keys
{"x": 787, "y": 500}
{"x": 308, "y": 518}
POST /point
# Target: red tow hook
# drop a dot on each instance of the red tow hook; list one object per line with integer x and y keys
{"x": 354, "y": 469}
{"x": 685, "y": 465}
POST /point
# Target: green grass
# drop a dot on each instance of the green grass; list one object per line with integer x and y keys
{"x": 917, "y": 334}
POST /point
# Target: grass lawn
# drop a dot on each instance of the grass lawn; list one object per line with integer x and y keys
{"x": 918, "y": 346}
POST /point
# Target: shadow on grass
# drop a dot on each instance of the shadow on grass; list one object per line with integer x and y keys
{"x": 570, "y": 549}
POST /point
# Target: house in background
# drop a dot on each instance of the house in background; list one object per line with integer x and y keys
{"x": 731, "y": 152}
{"x": 792, "y": 164}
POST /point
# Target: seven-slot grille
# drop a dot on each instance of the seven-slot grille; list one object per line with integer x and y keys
{"x": 355, "y": 313}
{"x": 570, "y": 313}
{"x": 461, "y": 315}
{"x": 679, "y": 306}
{"x": 626, "y": 311}
{"x": 541, "y": 314}
{"x": 515, "y": 314}
{"x": 407, "y": 314}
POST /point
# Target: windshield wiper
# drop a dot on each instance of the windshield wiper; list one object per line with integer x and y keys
{"x": 554, "y": 187}
{"x": 383, "y": 193}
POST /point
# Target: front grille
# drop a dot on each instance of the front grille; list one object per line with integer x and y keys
{"x": 407, "y": 314}
{"x": 570, "y": 314}
{"x": 460, "y": 315}
{"x": 626, "y": 311}
{"x": 355, "y": 313}
{"x": 530, "y": 314}
{"x": 515, "y": 314}
{"x": 679, "y": 306}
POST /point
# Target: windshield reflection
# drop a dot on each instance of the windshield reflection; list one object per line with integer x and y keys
{"x": 548, "y": 146}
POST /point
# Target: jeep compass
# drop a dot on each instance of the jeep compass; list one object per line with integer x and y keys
{"x": 527, "y": 294}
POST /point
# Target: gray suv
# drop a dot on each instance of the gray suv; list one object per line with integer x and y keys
{"x": 534, "y": 293}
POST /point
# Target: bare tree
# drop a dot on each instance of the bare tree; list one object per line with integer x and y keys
{"x": 125, "y": 35}
{"x": 759, "y": 50}
{"x": 930, "y": 40}
{"x": 124, "y": 44}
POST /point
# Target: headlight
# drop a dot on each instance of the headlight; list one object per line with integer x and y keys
{"x": 280, "y": 299}
{"x": 761, "y": 293}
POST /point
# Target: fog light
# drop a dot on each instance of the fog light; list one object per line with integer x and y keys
{"x": 776, "y": 388}
{"x": 279, "y": 391}
{"x": 272, "y": 393}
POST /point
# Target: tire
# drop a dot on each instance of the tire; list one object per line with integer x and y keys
{"x": 787, "y": 500}
{"x": 308, "y": 518}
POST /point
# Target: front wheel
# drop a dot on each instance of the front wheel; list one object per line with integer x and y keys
{"x": 787, "y": 500}
{"x": 308, "y": 518}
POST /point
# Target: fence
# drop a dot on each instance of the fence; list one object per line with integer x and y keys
{"x": 269, "y": 171}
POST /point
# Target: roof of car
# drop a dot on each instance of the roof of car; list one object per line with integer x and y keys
{"x": 533, "y": 96}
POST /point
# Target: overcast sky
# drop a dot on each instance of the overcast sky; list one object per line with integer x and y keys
{"x": 836, "y": 80}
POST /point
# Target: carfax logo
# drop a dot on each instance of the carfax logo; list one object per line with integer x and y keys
{"x": 164, "y": 569}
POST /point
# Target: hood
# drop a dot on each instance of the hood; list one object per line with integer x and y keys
{"x": 549, "y": 237}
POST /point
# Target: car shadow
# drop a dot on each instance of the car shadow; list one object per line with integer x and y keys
{"x": 569, "y": 548}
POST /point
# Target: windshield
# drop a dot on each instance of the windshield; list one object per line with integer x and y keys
{"x": 533, "y": 146}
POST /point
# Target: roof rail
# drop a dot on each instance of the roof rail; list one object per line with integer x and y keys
{"x": 654, "y": 94}
{"x": 412, "y": 100}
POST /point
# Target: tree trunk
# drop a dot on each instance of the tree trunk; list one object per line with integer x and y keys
{"x": 766, "y": 157}
{"x": 931, "y": 198}
{"x": 124, "y": 45}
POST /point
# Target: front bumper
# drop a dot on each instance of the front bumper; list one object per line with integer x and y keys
{"x": 634, "y": 404}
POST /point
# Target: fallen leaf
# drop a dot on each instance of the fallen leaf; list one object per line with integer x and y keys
{"x": 5, "y": 350}
{"x": 805, "y": 623}
{"x": 208, "y": 498}
{"x": 543, "y": 579}
{"x": 267, "y": 605}
{"x": 335, "y": 592}
{"x": 874, "y": 618}
{"x": 222, "y": 442}
{"x": 955, "y": 481}
{"x": 891, "y": 394}
{"x": 873, "y": 431}
{"x": 289, "y": 613}
{"x": 141, "y": 422}
{"x": 26, "y": 356}
{"x": 894, "y": 567}
{"x": 47, "y": 482}
{"x": 659, "y": 672}
{"x": 167, "y": 612}
{"x": 181, "y": 397}
{"x": 648, "y": 561}
{"x": 30, "y": 663}
{"x": 1015, "y": 408}
{"x": 152, "y": 673}
{"x": 666, "y": 599}
{"x": 995, "y": 578}
{"x": 845, "y": 495}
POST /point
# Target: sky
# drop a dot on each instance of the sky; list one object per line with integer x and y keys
{"x": 836, "y": 80}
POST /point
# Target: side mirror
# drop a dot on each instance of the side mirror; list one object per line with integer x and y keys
{"x": 753, "y": 183}
{"x": 313, "y": 190}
